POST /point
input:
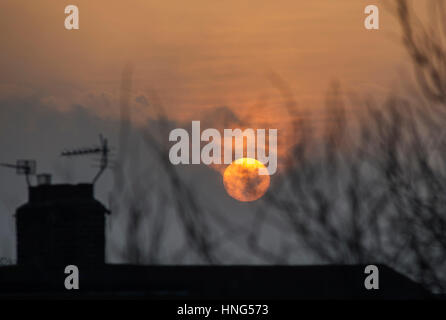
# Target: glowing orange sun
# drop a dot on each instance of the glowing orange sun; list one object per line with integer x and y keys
{"x": 242, "y": 179}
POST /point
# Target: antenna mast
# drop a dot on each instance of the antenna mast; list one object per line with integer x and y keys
{"x": 102, "y": 149}
{"x": 23, "y": 167}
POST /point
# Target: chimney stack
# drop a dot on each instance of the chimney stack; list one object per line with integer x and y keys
{"x": 61, "y": 225}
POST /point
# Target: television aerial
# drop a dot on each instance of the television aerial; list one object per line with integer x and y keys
{"x": 25, "y": 168}
{"x": 103, "y": 150}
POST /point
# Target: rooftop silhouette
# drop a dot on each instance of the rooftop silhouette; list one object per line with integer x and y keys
{"x": 63, "y": 224}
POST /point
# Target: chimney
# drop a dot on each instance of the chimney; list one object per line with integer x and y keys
{"x": 61, "y": 225}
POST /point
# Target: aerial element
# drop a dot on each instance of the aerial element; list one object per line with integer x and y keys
{"x": 102, "y": 149}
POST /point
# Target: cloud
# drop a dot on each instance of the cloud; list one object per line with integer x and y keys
{"x": 142, "y": 100}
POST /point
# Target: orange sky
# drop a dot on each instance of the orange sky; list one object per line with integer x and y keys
{"x": 195, "y": 54}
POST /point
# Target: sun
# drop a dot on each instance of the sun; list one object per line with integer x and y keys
{"x": 242, "y": 180}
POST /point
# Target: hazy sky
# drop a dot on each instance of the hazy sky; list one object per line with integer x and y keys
{"x": 194, "y": 54}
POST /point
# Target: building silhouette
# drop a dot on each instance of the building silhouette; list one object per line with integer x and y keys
{"x": 63, "y": 225}
{"x": 60, "y": 225}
